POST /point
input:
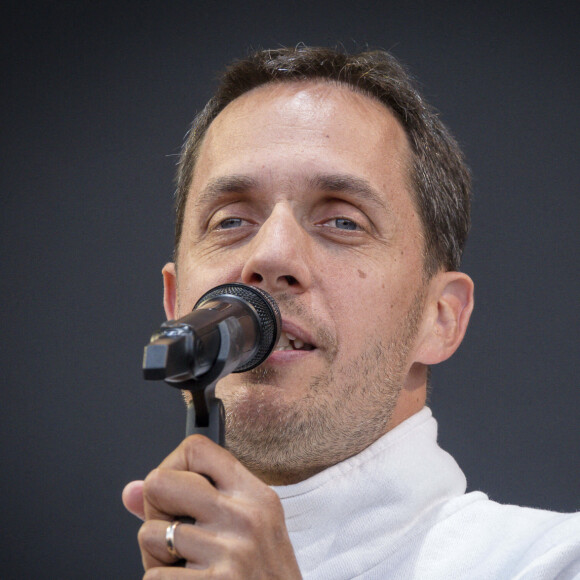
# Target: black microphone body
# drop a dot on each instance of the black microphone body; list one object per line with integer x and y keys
{"x": 188, "y": 348}
{"x": 232, "y": 328}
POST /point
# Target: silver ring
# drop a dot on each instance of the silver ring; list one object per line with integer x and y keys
{"x": 170, "y": 539}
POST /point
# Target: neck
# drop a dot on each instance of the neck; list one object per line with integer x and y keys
{"x": 411, "y": 401}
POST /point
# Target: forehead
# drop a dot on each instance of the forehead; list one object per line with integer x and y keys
{"x": 318, "y": 98}
{"x": 307, "y": 117}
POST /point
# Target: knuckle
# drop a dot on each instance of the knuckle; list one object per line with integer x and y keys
{"x": 225, "y": 570}
{"x": 145, "y": 536}
{"x": 270, "y": 496}
{"x": 195, "y": 441}
{"x": 152, "y": 480}
{"x": 271, "y": 502}
{"x": 195, "y": 451}
{"x": 263, "y": 513}
{"x": 154, "y": 574}
{"x": 194, "y": 445}
{"x": 253, "y": 520}
{"x": 154, "y": 483}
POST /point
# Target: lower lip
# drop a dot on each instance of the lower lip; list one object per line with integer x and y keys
{"x": 288, "y": 356}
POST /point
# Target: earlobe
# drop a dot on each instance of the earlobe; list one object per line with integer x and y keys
{"x": 169, "y": 290}
{"x": 448, "y": 312}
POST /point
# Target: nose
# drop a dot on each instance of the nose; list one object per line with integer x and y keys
{"x": 278, "y": 259}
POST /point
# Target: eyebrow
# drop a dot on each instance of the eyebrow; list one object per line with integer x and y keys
{"x": 224, "y": 185}
{"x": 326, "y": 182}
{"x": 355, "y": 186}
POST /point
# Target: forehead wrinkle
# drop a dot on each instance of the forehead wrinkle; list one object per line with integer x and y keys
{"x": 223, "y": 185}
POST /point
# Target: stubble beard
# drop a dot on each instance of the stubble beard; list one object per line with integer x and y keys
{"x": 342, "y": 412}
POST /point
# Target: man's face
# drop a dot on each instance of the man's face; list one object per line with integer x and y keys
{"x": 302, "y": 189}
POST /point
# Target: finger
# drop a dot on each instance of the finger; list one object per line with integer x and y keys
{"x": 181, "y": 574}
{"x": 201, "y": 455}
{"x": 197, "y": 546}
{"x": 186, "y": 574}
{"x": 173, "y": 574}
{"x": 132, "y": 497}
{"x": 170, "y": 574}
{"x": 168, "y": 493}
{"x": 153, "y": 544}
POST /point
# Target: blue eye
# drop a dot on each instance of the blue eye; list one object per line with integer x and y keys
{"x": 230, "y": 223}
{"x": 345, "y": 224}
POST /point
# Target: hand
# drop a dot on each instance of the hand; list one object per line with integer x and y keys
{"x": 239, "y": 531}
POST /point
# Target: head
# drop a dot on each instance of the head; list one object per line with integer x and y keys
{"x": 307, "y": 186}
{"x": 438, "y": 176}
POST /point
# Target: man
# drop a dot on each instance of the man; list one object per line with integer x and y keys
{"x": 327, "y": 181}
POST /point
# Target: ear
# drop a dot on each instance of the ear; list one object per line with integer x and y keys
{"x": 447, "y": 312}
{"x": 169, "y": 289}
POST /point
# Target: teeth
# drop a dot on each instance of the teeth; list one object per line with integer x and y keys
{"x": 284, "y": 343}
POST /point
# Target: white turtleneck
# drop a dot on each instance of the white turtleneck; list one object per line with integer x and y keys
{"x": 398, "y": 510}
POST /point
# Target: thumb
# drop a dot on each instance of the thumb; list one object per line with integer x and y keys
{"x": 133, "y": 499}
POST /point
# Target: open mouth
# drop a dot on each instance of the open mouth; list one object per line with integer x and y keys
{"x": 290, "y": 342}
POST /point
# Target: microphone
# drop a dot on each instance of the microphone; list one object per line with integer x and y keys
{"x": 232, "y": 328}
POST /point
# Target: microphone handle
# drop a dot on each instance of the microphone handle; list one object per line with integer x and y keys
{"x": 205, "y": 412}
{"x": 213, "y": 424}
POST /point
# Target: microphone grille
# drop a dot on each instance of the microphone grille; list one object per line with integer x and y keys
{"x": 269, "y": 318}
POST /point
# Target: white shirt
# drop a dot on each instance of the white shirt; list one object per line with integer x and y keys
{"x": 399, "y": 510}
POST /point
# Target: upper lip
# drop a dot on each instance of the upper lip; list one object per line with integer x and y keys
{"x": 290, "y": 327}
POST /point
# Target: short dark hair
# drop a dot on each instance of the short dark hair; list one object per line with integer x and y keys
{"x": 439, "y": 178}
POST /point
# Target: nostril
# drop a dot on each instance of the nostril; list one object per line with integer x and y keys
{"x": 291, "y": 280}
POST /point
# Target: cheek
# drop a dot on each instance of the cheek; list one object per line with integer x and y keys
{"x": 195, "y": 278}
{"x": 366, "y": 301}
{"x": 355, "y": 302}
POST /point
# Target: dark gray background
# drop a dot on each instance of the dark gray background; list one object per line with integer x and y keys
{"x": 96, "y": 97}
